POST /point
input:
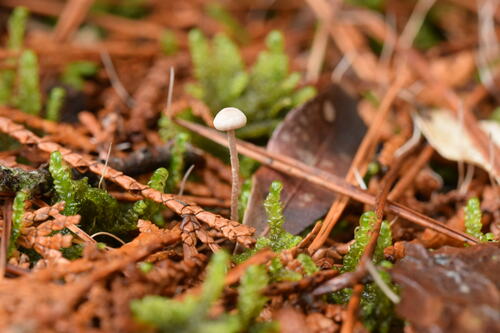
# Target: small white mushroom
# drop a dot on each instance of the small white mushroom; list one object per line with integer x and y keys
{"x": 229, "y": 120}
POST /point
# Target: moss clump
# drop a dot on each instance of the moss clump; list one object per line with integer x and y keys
{"x": 473, "y": 223}
{"x": 376, "y": 309}
{"x": 307, "y": 264}
{"x": 192, "y": 313}
{"x": 265, "y": 92}
{"x": 28, "y": 97}
{"x": 99, "y": 210}
{"x": 177, "y": 160}
{"x": 278, "y": 239}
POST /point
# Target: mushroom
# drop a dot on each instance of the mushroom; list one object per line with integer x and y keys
{"x": 228, "y": 120}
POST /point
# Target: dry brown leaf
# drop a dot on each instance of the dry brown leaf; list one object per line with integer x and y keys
{"x": 451, "y": 289}
{"x": 325, "y": 133}
{"x": 445, "y": 133}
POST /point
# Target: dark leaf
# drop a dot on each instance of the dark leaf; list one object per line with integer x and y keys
{"x": 451, "y": 289}
{"x": 325, "y": 133}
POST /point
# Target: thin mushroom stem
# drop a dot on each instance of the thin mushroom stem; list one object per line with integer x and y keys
{"x": 235, "y": 167}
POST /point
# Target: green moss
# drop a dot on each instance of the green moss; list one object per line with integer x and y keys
{"x": 17, "y": 219}
{"x": 73, "y": 252}
{"x": 147, "y": 208}
{"x": 177, "y": 160}
{"x": 361, "y": 238}
{"x": 74, "y": 73}
{"x": 99, "y": 210}
{"x": 28, "y": 97}
{"x": 192, "y": 313}
{"x": 55, "y": 103}
{"x": 16, "y": 28}
{"x": 377, "y": 310}
{"x": 145, "y": 267}
{"x": 307, "y": 264}
{"x": 168, "y": 42}
{"x": 495, "y": 115}
{"x": 133, "y": 9}
{"x": 278, "y": 238}
{"x": 473, "y": 223}
{"x": 264, "y": 92}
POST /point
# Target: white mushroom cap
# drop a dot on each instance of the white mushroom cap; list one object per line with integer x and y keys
{"x": 229, "y": 119}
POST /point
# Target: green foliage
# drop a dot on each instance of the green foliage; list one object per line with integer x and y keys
{"x": 250, "y": 299}
{"x": 264, "y": 93}
{"x": 73, "y": 252}
{"x": 191, "y": 315}
{"x": 495, "y": 115}
{"x": 147, "y": 208}
{"x": 55, "y": 103}
{"x": 63, "y": 183}
{"x": 361, "y": 238}
{"x": 278, "y": 239}
{"x": 74, "y": 73}
{"x": 177, "y": 160}
{"x": 307, "y": 264}
{"x": 145, "y": 267}
{"x": 16, "y": 29}
{"x": 473, "y": 223}
{"x": 279, "y": 272}
{"x": 134, "y": 9}
{"x": 376, "y": 308}
{"x": 29, "y": 98}
{"x": 17, "y": 219}
{"x": 168, "y": 42}
{"x": 99, "y": 210}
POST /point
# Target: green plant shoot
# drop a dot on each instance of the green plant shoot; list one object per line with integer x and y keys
{"x": 17, "y": 219}
{"x": 16, "y": 28}
{"x": 55, "y": 103}
{"x": 473, "y": 223}
{"x": 177, "y": 160}
{"x": 74, "y": 73}
{"x": 265, "y": 92}
{"x": 29, "y": 98}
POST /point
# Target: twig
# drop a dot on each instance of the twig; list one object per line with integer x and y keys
{"x": 184, "y": 179}
{"x": 116, "y": 83}
{"x": 414, "y": 23}
{"x": 352, "y": 309}
{"x": 318, "y": 50}
{"x": 381, "y": 283}
{"x": 71, "y": 17}
{"x": 232, "y": 230}
{"x": 360, "y": 162}
{"x": 326, "y": 180}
